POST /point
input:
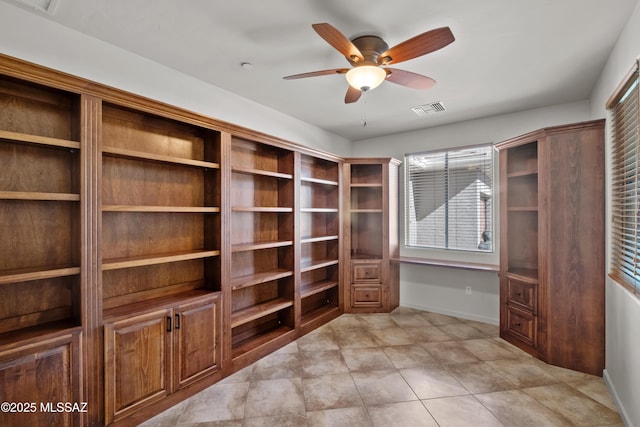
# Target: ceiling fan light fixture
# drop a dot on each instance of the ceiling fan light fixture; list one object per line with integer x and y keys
{"x": 366, "y": 77}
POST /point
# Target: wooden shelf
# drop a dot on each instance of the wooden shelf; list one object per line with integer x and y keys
{"x": 241, "y": 247}
{"x": 319, "y": 210}
{"x": 258, "y": 278}
{"x": 522, "y": 173}
{"x": 39, "y": 140}
{"x": 174, "y": 209}
{"x": 118, "y": 263}
{"x": 259, "y": 340}
{"x": 325, "y": 310}
{"x": 319, "y": 239}
{"x": 140, "y": 155}
{"x": 257, "y": 311}
{"x": 366, "y": 185}
{"x": 251, "y": 171}
{"x": 37, "y": 333}
{"x": 366, "y": 211}
{"x": 318, "y": 181}
{"x": 528, "y": 275}
{"x": 29, "y": 195}
{"x": 263, "y": 209}
{"x": 522, "y": 209}
{"x": 26, "y": 275}
{"x": 317, "y": 287}
{"x": 316, "y": 264}
{"x": 153, "y": 304}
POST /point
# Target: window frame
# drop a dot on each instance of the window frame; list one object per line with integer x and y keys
{"x": 624, "y": 267}
{"x": 408, "y": 192}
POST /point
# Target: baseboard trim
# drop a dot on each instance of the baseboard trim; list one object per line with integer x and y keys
{"x": 462, "y": 315}
{"x": 614, "y": 394}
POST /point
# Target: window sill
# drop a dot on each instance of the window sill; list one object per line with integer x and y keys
{"x": 447, "y": 264}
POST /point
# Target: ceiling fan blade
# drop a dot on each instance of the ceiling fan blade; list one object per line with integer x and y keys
{"x": 409, "y": 79}
{"x": 336, "y": 39}
{"x": 317, "y": 73}
{"x": 352, "y": 95}
{"x": 417, "y": 46}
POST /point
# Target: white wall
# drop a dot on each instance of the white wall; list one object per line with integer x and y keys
{"x": 63, "y": 49}
{"x": 441, "y": 289}
{"x": 622, "y": 371}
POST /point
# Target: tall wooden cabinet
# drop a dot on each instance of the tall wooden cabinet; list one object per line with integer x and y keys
{"x": 262, "y": 246}
{"x": 371, "y": 228}
{"x": 552, "y": 266}
{"x": 41, "y": 209}
{"x": 160, "y": 244}
{"x": 320, "y": 241}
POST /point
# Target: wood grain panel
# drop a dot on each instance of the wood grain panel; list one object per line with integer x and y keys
{"x": 45, "y": 373}
{"x": 37, "y": 233}
{"x": 38, "y": 169}
{"x": 36, "y": 110}
{"x": 577, "y": 250}
{"x": 314, "y": 224}
{"x": 127, "y": 234}
{"x": 137, "y": 363}
{"x": 121, "y": 282}
{"x": 314, "y": 195}
{"x": 195, "y": 341}
{"x": 317, "y": 168}
{"x": 151, "y": 134}
{"x": 131, "y": 182}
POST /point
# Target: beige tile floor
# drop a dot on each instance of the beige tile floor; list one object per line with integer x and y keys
{"x": 407, "y": 368}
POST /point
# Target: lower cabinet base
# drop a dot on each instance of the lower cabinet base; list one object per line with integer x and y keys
{"x": 138, "y": 417}
{"x": 38, "y": 376}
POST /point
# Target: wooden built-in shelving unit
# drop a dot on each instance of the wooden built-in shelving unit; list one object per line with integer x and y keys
{"x": 262, "y": 245}
{"x": 40, "y": 247}
{"x": 552, "y": 244}
{"x": 147, "y": 251}
{"x": 372, "y": 235}
{"x": 320, "y": 243}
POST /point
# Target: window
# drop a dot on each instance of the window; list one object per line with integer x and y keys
{"x": 624, "y": 108}
{"x": 449, "y": 199}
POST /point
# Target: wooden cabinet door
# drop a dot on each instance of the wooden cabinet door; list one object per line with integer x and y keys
{"x": 137, "y": 362}
{"x": 195, "y": 341}
{"x": 36, "y": 378}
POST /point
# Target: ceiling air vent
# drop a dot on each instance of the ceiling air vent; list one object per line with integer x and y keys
{"x": 428, "y": 109}
{"x": 46, "y": 6}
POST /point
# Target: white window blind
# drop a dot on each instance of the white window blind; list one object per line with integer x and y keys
{"x": 624, "y": 107}
{"x": 449, "y": 199}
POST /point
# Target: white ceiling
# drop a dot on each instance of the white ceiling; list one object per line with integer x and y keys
{"x": 509, "y": 55}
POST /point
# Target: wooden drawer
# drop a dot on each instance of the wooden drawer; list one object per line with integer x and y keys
{"x": 366, "y": 272}
{"x": 522, "y": 325}
{"x": 366, "y": 296}
{"x": 523, "y": 295}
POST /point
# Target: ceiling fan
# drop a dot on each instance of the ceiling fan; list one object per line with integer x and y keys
{"x": 370, "y": 55}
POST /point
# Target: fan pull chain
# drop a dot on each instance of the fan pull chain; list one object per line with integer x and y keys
{"x": 363, "y": 110}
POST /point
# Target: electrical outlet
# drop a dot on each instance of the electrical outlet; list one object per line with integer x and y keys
{"x": 468, "y": 290}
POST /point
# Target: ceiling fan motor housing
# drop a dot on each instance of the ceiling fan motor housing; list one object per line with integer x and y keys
{"x": 371, "y": 47}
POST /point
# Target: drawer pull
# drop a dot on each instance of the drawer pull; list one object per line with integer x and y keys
{"x": 517, "y": 325}
{"x": 169, "y": 324}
